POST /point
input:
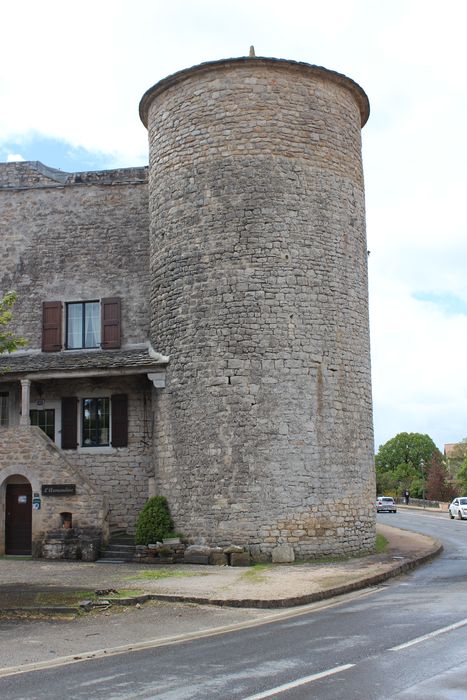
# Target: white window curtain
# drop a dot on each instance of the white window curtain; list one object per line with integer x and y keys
{"x": 92, "y": 327}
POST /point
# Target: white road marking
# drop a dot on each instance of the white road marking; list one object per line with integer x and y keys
{"x": 435, "y": 633}
{"x": 299, "y": 682}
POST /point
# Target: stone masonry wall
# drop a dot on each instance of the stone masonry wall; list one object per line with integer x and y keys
{"x": 71, "y": 238}
{"x": 120, "y": 474}
{"x": 28, "y": 452}
{"x": 259, "y": 295}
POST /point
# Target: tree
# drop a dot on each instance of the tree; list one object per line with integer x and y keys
{"x": 401, "y": 463}
{"x": 461, "y": 478}
{"x": 437, "y": 486}
{"x": 8, "y": 340}
{"x": 406, "y": 477}
{"x": 455, "y": 456}
{"x": 406, "y": 448}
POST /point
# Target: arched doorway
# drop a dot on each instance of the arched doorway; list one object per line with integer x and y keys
{"x": 18, "y": 517}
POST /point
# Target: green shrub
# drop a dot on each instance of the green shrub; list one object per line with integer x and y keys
{"x": 154, "y": 521}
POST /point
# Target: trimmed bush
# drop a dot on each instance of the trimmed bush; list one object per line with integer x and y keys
{"x": 154, "y": 522}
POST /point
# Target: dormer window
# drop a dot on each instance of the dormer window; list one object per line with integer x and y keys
{"x": 83, "y": 325}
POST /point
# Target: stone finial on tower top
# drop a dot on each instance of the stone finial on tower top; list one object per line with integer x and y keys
{"x": 252, "y": 52}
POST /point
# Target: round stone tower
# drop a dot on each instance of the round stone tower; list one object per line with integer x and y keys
{"x": 263, "y": 434}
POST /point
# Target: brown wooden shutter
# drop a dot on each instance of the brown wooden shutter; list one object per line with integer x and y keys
{"x": 51, "y": 326}
{"x": 69, "y": 423}
{"x": 119, "y": 420}
{"x": 110, "y": 323}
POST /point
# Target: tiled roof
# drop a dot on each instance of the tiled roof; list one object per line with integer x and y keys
{"x": 28, "y": 363}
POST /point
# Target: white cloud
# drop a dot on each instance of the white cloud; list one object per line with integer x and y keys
{"x": 14, "y": 157}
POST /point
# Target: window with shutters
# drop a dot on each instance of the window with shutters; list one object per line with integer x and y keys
{"x": 97, "y": 421}
{"x": 83, "y": 325}
{"x": 88, "y": 324}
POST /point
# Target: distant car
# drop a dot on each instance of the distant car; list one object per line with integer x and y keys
{"x": 385, "y": 504}
{"x": 458, "y": 508}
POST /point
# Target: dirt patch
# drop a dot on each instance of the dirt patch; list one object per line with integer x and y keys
{"x": 30, "y": 595}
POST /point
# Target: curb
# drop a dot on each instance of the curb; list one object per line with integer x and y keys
{"x": 310, "y": 597}
{"x": 49, "y": 610}
{"x": 306, "y": 599}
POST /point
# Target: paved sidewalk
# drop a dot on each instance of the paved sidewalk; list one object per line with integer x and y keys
{"x": 55, "y": 585}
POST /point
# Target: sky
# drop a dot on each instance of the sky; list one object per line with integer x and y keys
{"x": 72, "y": 76}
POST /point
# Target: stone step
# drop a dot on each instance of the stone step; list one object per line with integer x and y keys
{"x": 118, "y": 553}
{"x": 122, "y": 538}
{"x": 123, "y": 546}
{"x": 119, "y": 550}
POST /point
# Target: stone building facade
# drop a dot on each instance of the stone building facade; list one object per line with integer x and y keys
{"x": 222, "y": 295}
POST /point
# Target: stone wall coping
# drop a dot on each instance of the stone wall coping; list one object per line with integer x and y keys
{"x": 16, "y": 176}
{"x": 251, "y": 62}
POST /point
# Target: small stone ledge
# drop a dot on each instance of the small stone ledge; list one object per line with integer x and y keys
{"x": 75, "y": 544}
{"x": 177, "y": 552}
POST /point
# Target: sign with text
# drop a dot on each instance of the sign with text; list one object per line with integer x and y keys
{"x": 58, "y": 489}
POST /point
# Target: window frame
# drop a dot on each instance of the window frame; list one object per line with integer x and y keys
{"x": 72, "y": 421}
{"x": 55, "y": 324}
{"x": 97, "y": 426}
{"x": 4, "y": 409}
{"x": 83, "y": 305}
{"x": 36, "y": 412}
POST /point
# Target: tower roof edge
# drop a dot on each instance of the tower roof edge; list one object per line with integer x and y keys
{"x": 178, "y": 77}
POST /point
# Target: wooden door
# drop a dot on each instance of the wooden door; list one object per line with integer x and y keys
{"x": 18, "y": 519}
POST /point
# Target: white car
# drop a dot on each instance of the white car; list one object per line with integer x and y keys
{"x": 458, "y": 508}
{"x": 385, "y": 504}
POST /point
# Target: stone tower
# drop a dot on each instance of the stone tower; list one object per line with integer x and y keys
{"x": 263, "y": 435}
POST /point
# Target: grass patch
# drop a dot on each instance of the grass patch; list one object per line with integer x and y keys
{"x": 381, "y": 544}
{"x": 17, "y": 557}
{"x": 255, "y": 573}
{"x": 123, "y": 593}
{"x": 157, "y": 574}
{"x": 63, "y": 597}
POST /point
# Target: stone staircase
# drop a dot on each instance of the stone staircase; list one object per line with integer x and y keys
{"x": 120, "y": 549}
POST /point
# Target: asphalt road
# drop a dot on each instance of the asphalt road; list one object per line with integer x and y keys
{"x": 406, "y": 639}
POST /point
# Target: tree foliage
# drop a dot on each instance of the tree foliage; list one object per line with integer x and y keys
{"x": 438, "y": 487}
{"x": 456, "y": 455}
{"x": 154, "y": 521}
{"x": 459, "y": 450}
{"x": 403, "y": 464}
{"x": 406, "y": 448}
{"x": 8, "y": 340}
{"x": 461, "y": 478}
